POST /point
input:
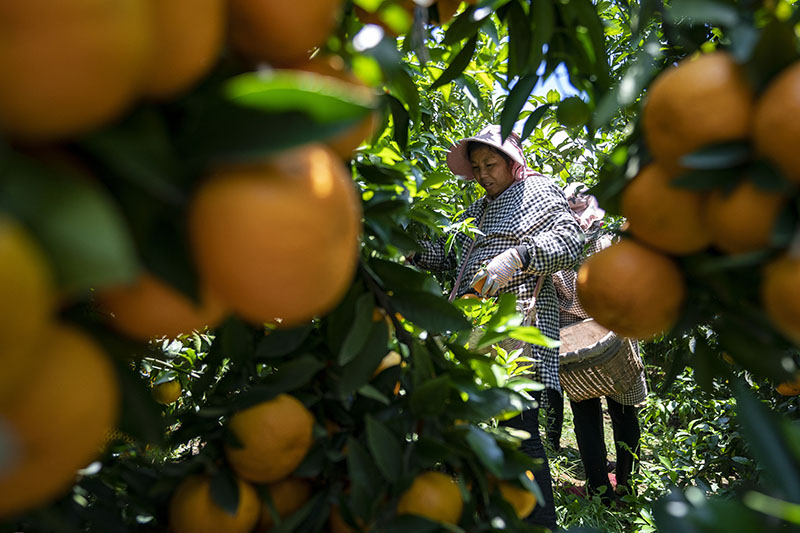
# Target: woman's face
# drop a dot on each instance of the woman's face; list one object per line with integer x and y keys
{"x": 491, "y": 170}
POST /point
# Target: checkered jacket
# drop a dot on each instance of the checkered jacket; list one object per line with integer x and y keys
{"x": 571, "y": 311}
{"x": 533, "y": 213}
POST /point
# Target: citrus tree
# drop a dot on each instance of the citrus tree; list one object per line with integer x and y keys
{"x": 205, "y": 211}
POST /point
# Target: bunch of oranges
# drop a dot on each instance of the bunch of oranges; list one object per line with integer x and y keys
{"x": 636, "y": 287}
{"x": 274, "y": 239}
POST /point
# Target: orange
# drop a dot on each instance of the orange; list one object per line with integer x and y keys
{"x": 26, "y": 301}
{"x": 167, "y": 392}
{"x": 742, "y": 221}
{"x": 70, "y": 66}
{"x": 278, "y": 239}
{"x": 479, "y": 285}
{"x": 346, "y": 142}
{"x": 433, "y": 495}
{"x": 58, "y": 421}
{"x": 631, "y": 289}
{"x": 697, "y": 102}
{"x": 151, "y": 308}
{"x": 666, "y": 217}
{"x": 775, "y": 132}
{"x": 789, "y": 388}
{"x": 191, "y": 509}
{"x": 188, "y": 38}
{"x": 288, "y": 496}
{"x": 780, "y": 295}
{"x": 522, "y": 500}
{"x": 278, "y": 33}
{"x": 275, "y": 437}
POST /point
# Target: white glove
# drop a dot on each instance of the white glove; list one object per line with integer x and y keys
{"x": 497, "y": 273}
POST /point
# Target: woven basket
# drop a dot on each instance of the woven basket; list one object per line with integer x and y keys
{"x": 596, "y": 362}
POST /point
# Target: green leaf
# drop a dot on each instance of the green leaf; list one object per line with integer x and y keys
{"x": 359, "y": 371}
{"x": 764, "y": 437}
{"x": 357, "y": 335}
{"x": 532, "y": 335}
{"x": 361, "y": 468}
{"x": 223, "y": 130}
{"x": 433, "y": 313}
{"x": 225, "y": 491}
{"x": 323, "y": 98}
{"x": 533, "y": 120}
{"x": 466, "y": 25}
{"x": 718, "y": 156}
{"x": 403, "y": 85}
{"x": 458, "y": 64}
{"x": 542, "y": 20}
{"x": 282, "y": 342}
{"x": 486, "y": 448}
{"x": 430, "y": 398}
{"x": 77, "y": 224}
{"x": 295, "y": 373}
{"x": 397, "y": 277}
{"x": 385, "y": 448}
{"x": 401, "y": 121}
{"x": 519, "y": 40}
{"x": 702, "y": 12}
{"x": 517, "y": 98}
{"x": 235, "y": 338}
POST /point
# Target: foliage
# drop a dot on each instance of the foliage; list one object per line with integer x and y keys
{"x": 437, "y": 84}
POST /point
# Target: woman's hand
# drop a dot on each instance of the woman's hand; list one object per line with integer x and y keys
{"x": 497, "y": 273}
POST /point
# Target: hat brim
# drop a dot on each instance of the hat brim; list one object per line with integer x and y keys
{"x": 458, "y": 160}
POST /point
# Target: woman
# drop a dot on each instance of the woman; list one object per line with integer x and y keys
{"x": 527, "y": 233}
{"x": 588, "y": 414}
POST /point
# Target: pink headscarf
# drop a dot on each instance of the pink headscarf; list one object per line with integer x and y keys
{"x": 585, "y": 209}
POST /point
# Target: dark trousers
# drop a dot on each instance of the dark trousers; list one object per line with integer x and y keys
{"x": 554, "y": 409}
{"x": 588, "y": 419}
{"x": 543, "y": 515}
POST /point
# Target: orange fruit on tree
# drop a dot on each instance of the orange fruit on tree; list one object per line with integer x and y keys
{"x": 192, "y": 510}
{"x": 26, "y": 301}
{"x": 775, "y": 132}
{"x": 151, "y": 308}
{"x": 433, "y": 495}
{"x": 188, "y": 37}
{"x": 333, "y": 67}
{"x": 522, "y": 500}
{"x": 631, "y": 289}
{"x": 70, "y": 66}
{"x": 275, "y": 436}
{"x": 58, "y": 421}
{"x": 780, "y": 295}
{"x": 281, "y": 34}
{"x": 288, "y": 495}
{"x": 742, "y": 220}
{"x": 789, "y": 388}
{"x": 663, "y": 216}
{"x": 479, "y": 285}
{"x": 700, "y": 101}
{"x": 278, "y": 239}
{"x": 167, "y": 392}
